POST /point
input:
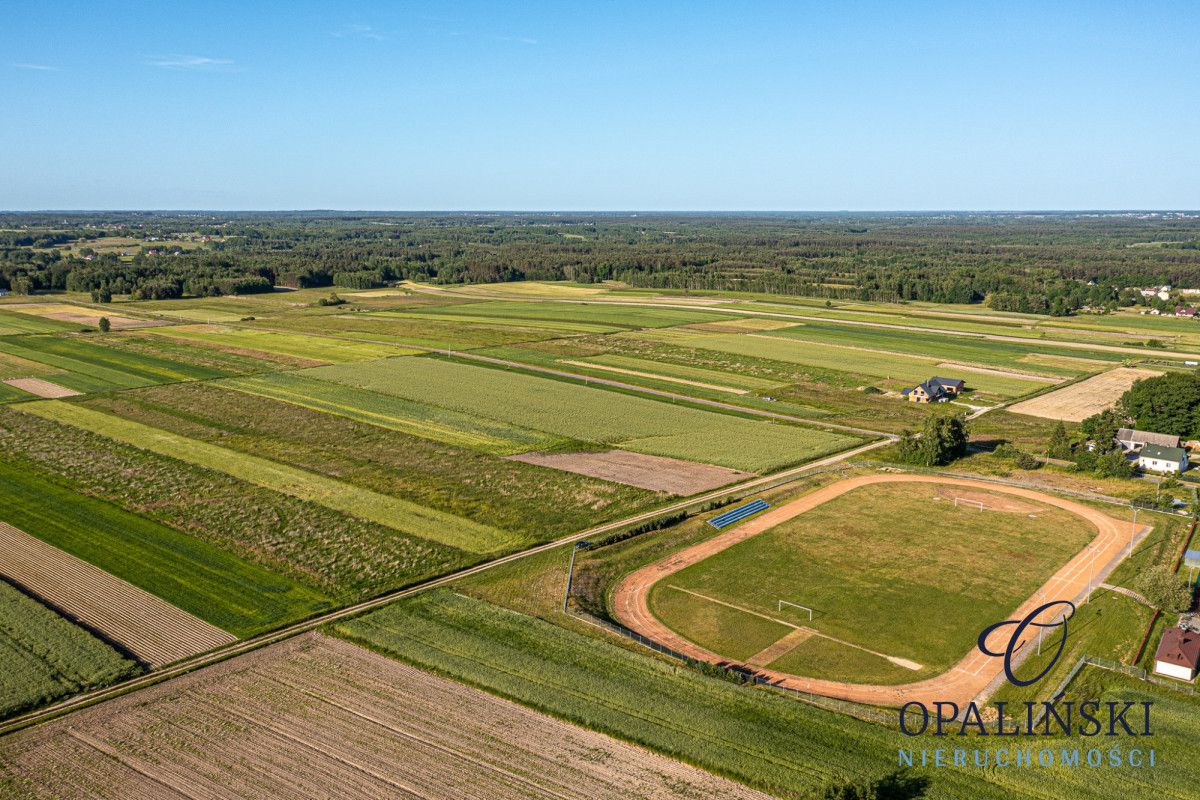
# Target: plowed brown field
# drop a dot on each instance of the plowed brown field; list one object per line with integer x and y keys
{"x": 320, "y": 717}
{"x": 149, "y": 627}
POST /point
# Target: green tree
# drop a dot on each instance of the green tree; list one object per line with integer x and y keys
{"x": 105, "y": 325}
{"x": 1167, "y": 403}
{"x": 1164, "y": 589}
{"x": 942, "y": 440}
{"x": 1059, "y": 445}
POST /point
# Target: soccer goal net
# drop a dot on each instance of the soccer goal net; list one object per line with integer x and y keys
{"x": 964, "y": 501}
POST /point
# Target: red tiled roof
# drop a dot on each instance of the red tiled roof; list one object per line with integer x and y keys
{"x": 1179, "y": 647}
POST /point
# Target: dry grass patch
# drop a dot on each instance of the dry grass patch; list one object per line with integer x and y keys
{"x": 660, "y": 474}
{"x": 1079, "y": 401}
{"x": 40, "y": 387}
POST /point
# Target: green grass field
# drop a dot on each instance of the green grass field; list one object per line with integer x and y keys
{"x": 897, "y": 368}
{"x": 44, "y": 657}
{"x": 890, "y": 568}
{"x": 314, "y": 347}
{"x": 343, "y": 556}
{"x": 396, "y": 413}
{"x": 529, "y": 502}
{"x": 90, "y": 366}
{"x": 16, "y": 323}
{"x": 584, "y": 317}
{"x": 204, "y": 580}
{"x": 394, "y": 512}
{"x": 591, "y": 415}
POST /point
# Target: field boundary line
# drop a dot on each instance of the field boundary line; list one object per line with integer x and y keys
{"x": 262, "y": 640}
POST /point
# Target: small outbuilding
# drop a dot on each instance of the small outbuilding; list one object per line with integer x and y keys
{"x": 1156, "y": 458}
{"x": 1178, "y": 654}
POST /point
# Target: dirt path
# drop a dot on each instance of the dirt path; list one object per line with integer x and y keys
{"x": 966, "y": 680}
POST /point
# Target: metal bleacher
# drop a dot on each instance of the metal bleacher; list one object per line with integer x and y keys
{"x": 741, "y": 512}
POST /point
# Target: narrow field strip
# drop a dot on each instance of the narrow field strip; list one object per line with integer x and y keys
{"x": 150, "y": 628}
{"x": 393, "y": 512}
{"x": 40, "y": 387}
{"x": 668, "y": 378}
{"x": 779, "y": 647}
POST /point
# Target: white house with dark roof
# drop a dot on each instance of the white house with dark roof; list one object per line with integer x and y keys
{"x": 1178, "y": 654}
{"x": 1157, "y": 458}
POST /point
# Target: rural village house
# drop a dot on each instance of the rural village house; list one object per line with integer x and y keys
{"x": 1178, "y": 654}
{"x": 1162, "y": 459}
{"x": 1133, "y": 441}
{"x": 934, "y": 390}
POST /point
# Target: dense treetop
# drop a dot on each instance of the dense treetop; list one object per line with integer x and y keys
{"x": 1050, "y": 263}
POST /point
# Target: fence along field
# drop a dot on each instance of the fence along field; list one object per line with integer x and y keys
{"x": 590, "y": 414}
{"x": 401, "y": 515}
{"x": 150, "y": 628}
{"x": 44, "y": 657}
{"x": 320, "y": 717}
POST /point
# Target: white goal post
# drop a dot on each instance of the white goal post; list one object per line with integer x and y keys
{"x": 967, "y": 501}
{"x": 783, "y": 603}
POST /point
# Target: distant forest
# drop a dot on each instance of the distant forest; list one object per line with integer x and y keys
{"x": 1045, "y": 263}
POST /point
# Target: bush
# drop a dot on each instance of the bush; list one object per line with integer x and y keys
{"x": 1165, "y": 590}
{"x": 105, "y": 325}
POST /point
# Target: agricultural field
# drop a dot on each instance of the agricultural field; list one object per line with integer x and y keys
{"x": 1079, "y": 401}
{"x": 394, "y": 512}
{"x": 77, "y": 315}
{"x": 762, "y": 738}
{"x": 314, "y": 349}
{"x": 528, "y": 503}
{"x": 283, "y": 557}
{"x": 656, "y": 473}
{"x": 592, "y": 317}
{"x": 882, "y": 546}
{"x": 152, "y": 630}
{"x": 592, "y": 415}
{"x": 44, "y": 657}
{"x": 86, "y": 364}
{"x": 395, "y": 413}
{"x": 199, "y": 578}
{"x": 12, "y": 323}
{"x": 301, "y": 718}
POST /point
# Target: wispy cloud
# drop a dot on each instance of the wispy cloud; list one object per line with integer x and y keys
{"x": 358, "y": 32}
{"x": 515, "y": 39}
{"x": 191, "y": 63}
{"x": 39, "y": 67}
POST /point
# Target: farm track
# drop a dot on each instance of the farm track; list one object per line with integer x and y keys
{"x": 969, "y": 679}
{"x": 321, "y": 717}
{"x": 153, "y": 630}
{"x": 245, "y": 646}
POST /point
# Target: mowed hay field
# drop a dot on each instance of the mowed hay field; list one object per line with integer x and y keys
{"x": 1079, "y": 401}
{"x": 320, "y": 717}
{"x": 44, "y": 657}
{"x": 897, "y": 569}
{"x": 591, "y": 415}
{"x": 150, "y": 628}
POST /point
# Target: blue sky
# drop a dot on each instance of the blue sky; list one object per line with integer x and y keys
{"x": 600, "y": 105}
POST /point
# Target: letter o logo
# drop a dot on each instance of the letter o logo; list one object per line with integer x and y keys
{"x": 1015, "y": 640}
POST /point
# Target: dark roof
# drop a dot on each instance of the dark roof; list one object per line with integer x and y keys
{"x": 957, "y": 382}
{"x": 932, "y": 389}
{"x": 1147, "y": 437}
{"x": 1175, "y": 454}
{"x": 1179, "y": 647}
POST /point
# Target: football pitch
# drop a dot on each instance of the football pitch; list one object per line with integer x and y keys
{"x": 899, "y": 578}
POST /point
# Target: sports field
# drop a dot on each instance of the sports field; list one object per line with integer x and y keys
{"x": 900, "y": 580}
